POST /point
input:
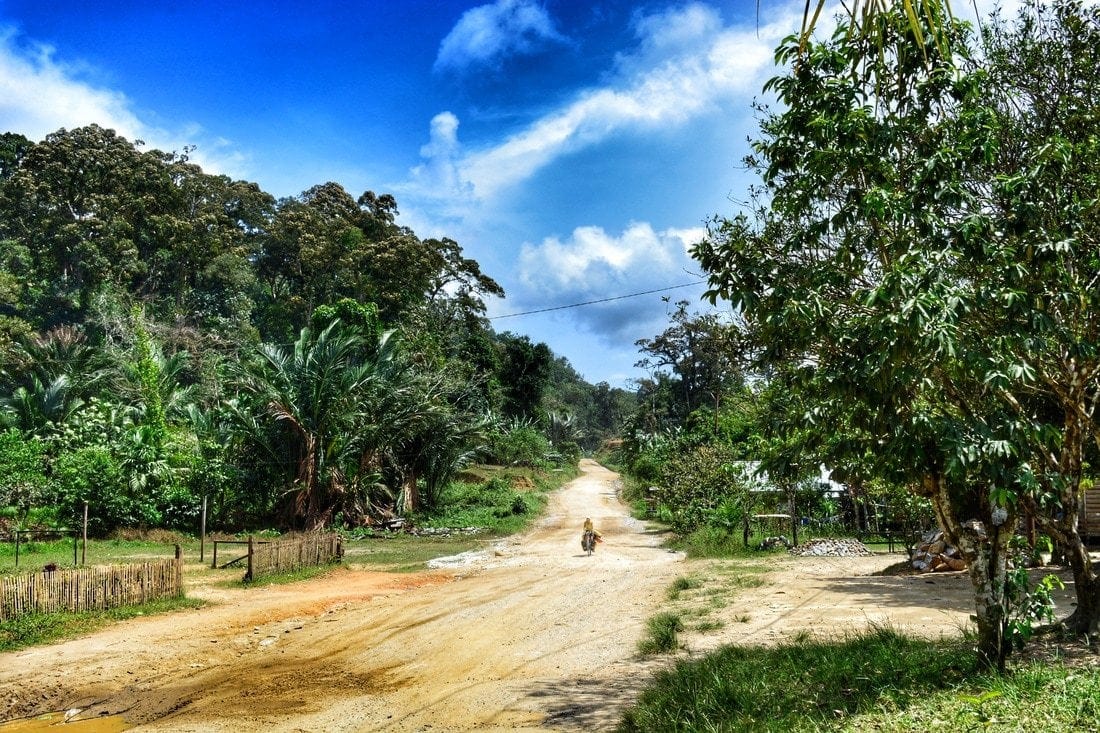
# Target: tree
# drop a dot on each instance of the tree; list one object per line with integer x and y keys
{"x": 1040, "y": 215}
{"x": 853, "y": 275}
{"x": 701, "y": 352}
{"x": 309, "y": 402}
{"x": 524, "y": 375}
{"x": 23, "y": 479}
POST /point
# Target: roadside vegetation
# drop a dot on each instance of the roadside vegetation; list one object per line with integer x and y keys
{"x": 49, "y": 628}
{"x": 880, "y": 681}
{"x": 914, "y": 284}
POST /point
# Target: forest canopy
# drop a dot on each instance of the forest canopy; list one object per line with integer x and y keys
{"x": 168, "y": 334}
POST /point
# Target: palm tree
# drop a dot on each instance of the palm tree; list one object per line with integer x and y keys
{"x": 931, "y": 17}
{"x": 314, "y": 394}
{"x": 38, "y": 408}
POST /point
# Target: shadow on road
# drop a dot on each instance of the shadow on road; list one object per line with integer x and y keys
{"x": 590, "y": 703}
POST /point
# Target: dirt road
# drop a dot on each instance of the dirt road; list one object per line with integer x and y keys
{"x": 529, "y": 635}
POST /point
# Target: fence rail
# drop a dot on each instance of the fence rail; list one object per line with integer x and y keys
{"x": 292, "y": 553}
{"x": 91, "y": 588}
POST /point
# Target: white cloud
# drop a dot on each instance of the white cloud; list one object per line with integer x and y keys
{"x": 486, "y": 34}
{"x": 39, "y": 94}
{"x": 439, "y": 172}
{"x": 593, "y": 265}
{"x": 591, "y": 257}
{"x": 687, "y": 64}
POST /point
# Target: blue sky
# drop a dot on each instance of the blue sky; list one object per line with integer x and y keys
{"x": 575, "y": 149}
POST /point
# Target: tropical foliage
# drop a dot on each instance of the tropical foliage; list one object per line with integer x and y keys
{"x": 168, "y": 335}
{"x": 919, "y": 268}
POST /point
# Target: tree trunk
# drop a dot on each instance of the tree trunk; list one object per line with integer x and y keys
{"x": 984, "y": 547}
{"x": 1085, "y": 619}
{"x": 1064, "y": 528}
{"x": 410, "y": 492}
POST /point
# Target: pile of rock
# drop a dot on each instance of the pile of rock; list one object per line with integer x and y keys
{"x": 829, "y": 547}
{"x": 933, "y": 553}
{"x": 445, "y": 531}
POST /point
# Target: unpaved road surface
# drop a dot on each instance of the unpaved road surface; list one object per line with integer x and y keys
{"x": 530, "y": 634}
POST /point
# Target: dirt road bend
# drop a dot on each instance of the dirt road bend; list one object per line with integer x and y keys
{"x": 529, "y": 634}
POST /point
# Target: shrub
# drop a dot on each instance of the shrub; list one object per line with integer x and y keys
{"x": 93, "y": 475}
{"x": 694, "y": 484}
{"x": 661, "y": 634}
{"x": 519, "y": 446}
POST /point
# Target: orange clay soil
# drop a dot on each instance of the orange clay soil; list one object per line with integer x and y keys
{"x": 528, "y": 634}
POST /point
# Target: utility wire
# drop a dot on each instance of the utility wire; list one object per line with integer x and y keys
{"x": 593, "y": 302}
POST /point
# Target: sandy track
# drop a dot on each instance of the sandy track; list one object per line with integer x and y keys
{"x": 531, "y": 634}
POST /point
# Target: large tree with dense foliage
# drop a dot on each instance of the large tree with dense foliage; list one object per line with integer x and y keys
{"x": 1040, "y": 219}
{"x": 856, "y": 276}
{"x": 168, "y": 334}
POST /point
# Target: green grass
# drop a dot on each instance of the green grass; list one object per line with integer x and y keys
{"x": 876, "y": 681}
{"x": 291, "y": 576}
{"x": 46, "y": 628}
{"x": 35, "y": 555}
{"x": 713, "y": 585}
{"x": 716, "y": 542}
{"x": 661, "y": 634}
{"x": 499, "y": 501}
{"x": 402, "y": 553}
{"x": 680, "y": 585}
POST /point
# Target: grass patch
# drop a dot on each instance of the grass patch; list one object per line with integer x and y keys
{"x": 800, "y": 686}
{"x": 291, "y": 576}
{"x": 713, "y": 588}
{"x": 875, "y": 681}
{"x": 661, "y": 634}
{"x": 402, "y": 553}
{"x": 35, "y": 555}
{"x": 717, "y": 542}
{"x": 46, "y": 628}
{"x": 680, "y": 585}
{"x": 500, "y": 500}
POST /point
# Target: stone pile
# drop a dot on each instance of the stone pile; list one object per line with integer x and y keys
{"x": 829, "y": 547}
{"x": 933, "y": 553}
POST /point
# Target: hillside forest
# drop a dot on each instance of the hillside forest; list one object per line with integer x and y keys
{"x": 167, "y": 334}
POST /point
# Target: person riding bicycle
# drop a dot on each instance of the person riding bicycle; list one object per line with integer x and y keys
{"x": 595, "y": 534}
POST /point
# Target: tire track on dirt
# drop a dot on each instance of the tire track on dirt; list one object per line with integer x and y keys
{"x": 510, "y": 641}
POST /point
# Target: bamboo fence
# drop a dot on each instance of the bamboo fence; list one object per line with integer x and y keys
{"x": 90, "y": 588}
{"x": 292, "y": 553}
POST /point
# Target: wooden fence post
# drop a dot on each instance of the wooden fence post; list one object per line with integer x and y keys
{"x": 84, "y": 545}
{"x": 179, "y": 572}
{"x": 248, "y": 575}
{"x": 202, "y": 533}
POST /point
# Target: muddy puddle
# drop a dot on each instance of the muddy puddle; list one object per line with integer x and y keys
{"x": 52, "y": 722}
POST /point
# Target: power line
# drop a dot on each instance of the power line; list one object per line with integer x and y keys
{"x": 601, "y": 300}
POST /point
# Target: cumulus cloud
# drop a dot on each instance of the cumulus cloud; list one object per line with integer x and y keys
{"x": 686, "y": 64}
{"x": 439, "y": 172}
{"x": 489, "y": 33}
{"x": 594, "y": 265}
{"x": 40, "y": 94}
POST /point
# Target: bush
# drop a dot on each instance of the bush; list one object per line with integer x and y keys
{"x": 22, "y": 472}
{"x": 661, "y": 634}
{"x": 93, "y": 475}
{"x": 519, "y": 446}
{"x": 696, "y": 483}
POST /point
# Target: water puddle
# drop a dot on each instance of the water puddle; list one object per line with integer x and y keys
{"x": 53, "y": 722}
